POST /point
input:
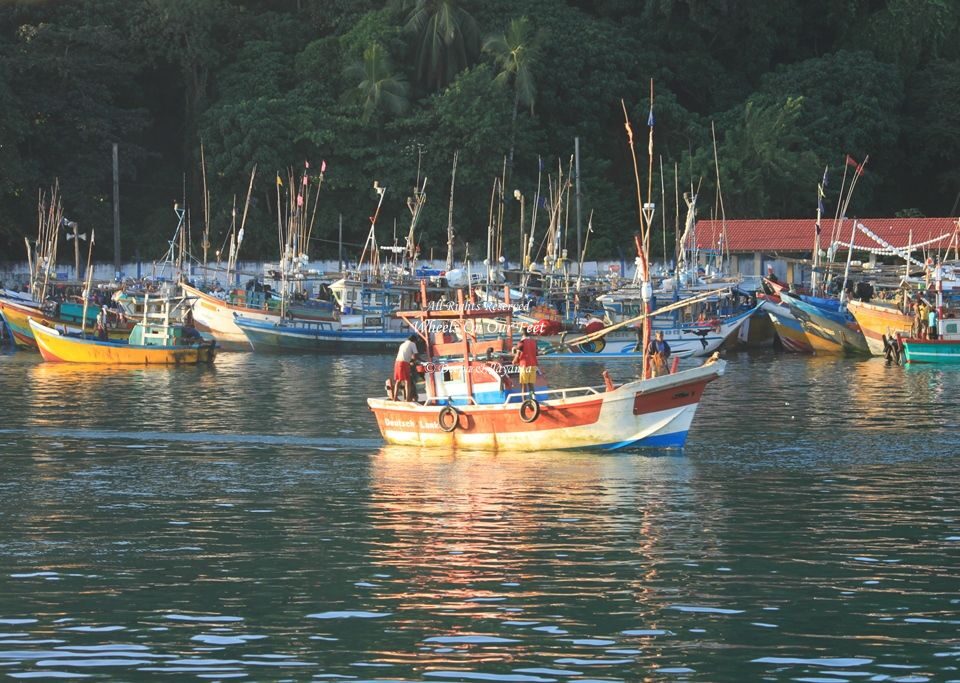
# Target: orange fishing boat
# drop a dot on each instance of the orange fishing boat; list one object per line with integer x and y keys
{"x": 472, "y": 402}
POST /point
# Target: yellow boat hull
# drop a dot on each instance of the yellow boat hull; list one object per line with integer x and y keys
{"x": 17, "y": 316}
{"x": 57, "y": 348}
{"x": 879, "y": 320}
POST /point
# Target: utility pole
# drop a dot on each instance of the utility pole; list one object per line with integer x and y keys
{"x": 116, "y": 211}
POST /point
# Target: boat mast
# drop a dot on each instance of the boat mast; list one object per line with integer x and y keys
{"x": 87, "y": 285}
{"x": 821, "y": 195}
{"x": 453, "y": 180}
{"x": 645, "y": 219}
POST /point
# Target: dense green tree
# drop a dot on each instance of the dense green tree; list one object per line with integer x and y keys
{"x": 379, "y": 90}
{"x": 446, "y": 36}
{"x": 792, "y": 87}
{"x": 931, "y": 138}
{"x": 515, "y": 54}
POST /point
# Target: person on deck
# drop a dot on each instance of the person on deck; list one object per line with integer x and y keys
{"x": 659, "y": 352}
{"x": 403, "y": 369}
{"x": 102, "y": 324}
{"x": 923, "y": 318}
{"x": 932, "y": 323}
{"x": 525, "y": 355}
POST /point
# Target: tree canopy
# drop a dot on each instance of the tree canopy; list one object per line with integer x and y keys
{"x": 388, "y": 90}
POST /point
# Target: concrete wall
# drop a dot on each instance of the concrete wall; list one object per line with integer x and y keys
{"x": 12, "y": 274}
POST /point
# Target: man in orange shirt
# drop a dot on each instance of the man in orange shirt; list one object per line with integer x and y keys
{"x": 525, "y": 355}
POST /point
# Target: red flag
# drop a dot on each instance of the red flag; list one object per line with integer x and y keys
{"x": 323, "y": 166}
{"x": 852, "y": 162}
{"x": 299, "y": 200}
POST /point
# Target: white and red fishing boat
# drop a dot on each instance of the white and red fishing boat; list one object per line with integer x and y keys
{"x": 472, "y": 399}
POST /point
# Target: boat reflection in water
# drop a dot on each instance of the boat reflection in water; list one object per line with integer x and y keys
{"x": 515, "y": 540}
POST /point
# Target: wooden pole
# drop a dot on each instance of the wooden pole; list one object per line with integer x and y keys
{"x": 644, "y": 316}
{"x": 86, "y": 288}
{"x": 576, "y": 154}
{"x": 453, "y": 180}
{"x": 116, "y": 210}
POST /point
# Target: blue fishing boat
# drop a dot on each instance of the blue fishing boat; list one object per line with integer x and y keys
{"x": 322, "y": 335}
{"x": 829, "y": 327}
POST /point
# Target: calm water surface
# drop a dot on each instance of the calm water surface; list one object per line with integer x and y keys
{"x": 246, "y": 521}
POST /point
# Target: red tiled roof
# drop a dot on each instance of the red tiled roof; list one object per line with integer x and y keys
{"x": 795, "y": 235}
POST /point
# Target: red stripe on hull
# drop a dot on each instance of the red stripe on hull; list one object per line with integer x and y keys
{"x": 665, "y": 399}
{"x": 493, "y": 420}
{"x": 23, "y": 341}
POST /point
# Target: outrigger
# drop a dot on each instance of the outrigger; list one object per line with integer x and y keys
{"x": 472, "y": 399}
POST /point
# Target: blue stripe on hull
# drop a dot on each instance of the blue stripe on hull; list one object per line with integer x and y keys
{"x": 672, "y": 440}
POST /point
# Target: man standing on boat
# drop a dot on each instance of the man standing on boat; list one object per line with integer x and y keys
{"x": 525, "y": 355}
{"x": 659, "y": 353}
{"x": 403, "y": 369}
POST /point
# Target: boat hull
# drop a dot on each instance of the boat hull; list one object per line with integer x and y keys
{"x": 215, "y": 317}
{"x": 18, "y": 314}
{"x": 788, "y": 328}
{"x": 879, "y": 320}
{"x": 934, "y": 351}
{"x": 827, "y": 332}
{"x": 685, "y": 342}
{"x": 656, "y": 412}
{"x": 57, "y": 348}
{"x": 318, "y": 336}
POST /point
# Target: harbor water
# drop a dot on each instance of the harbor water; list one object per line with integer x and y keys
{"x": 245, "y": 521}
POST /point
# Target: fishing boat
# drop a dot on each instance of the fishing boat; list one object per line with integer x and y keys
{"x": 624, "y": 340}
{"x": 701, "y": 338}
{"x": 351, "y": 334}
{"x": 785, "y": 324}
{"x": 944, "y": 348}
{"x": 68, "y": 315}
{"x": 154, "y": 340}
{"x": 828, "y": 326}
{"x": 880, "y": 322}
{"x": 215, "y": 314}
{"x": 941, "y": 351}
{"x": 472, "y": 402}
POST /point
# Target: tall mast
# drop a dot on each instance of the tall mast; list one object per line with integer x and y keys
{"x": 453, "y": 180}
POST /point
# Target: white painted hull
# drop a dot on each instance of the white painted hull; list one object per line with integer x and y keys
{"x": 656, "y": 412}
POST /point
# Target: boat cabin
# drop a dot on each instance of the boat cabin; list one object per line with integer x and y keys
{"x": 461, "y": 369}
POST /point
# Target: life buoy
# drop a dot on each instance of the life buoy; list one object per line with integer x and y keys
{"x": 529, "y": 410}
{"x": 445, "y": 424}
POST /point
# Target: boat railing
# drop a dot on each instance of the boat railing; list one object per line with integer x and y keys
{"x": 444, "y": 400}
{"x": 513, "y": 396}
{"x": 562, "y": 394}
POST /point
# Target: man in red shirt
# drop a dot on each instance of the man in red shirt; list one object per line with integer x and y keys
{"x": 525, "y": 355}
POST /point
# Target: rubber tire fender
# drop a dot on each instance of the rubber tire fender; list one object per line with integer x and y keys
{"x": 442, "y": 418}
{"x": 533, "y": 404}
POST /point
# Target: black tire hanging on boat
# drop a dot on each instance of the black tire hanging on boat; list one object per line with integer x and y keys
{"x": 442, "y": 418}
{"x": 531, "y": 404}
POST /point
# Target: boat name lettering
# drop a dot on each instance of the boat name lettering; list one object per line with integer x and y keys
{"x": 389, "y": 422}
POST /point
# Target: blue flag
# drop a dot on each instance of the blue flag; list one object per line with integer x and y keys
{"x": 650, "y": 118}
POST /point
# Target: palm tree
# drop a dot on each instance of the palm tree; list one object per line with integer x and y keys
{"x": 378, "y": 87}
{"x": 448, "y": 39}
{"x": 515, "y": 53}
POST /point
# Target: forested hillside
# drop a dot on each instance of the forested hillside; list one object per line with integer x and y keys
{"x": 379, "y": 90}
